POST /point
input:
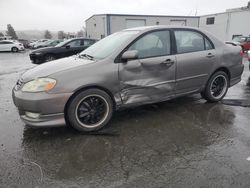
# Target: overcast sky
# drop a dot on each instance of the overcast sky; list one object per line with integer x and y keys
{"x": 70, "y": 15}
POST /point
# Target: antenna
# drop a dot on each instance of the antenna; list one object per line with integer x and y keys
{"x": 196, "y": 11}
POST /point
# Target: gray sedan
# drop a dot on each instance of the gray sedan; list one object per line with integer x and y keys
{"x": 129, "y": 68}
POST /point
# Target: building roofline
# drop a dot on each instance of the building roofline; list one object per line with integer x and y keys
{"x": 141, "y": 15}
{"x": 229, "y": 11}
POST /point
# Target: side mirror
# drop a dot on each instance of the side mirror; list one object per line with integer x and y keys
{"x": 67, "y": 47}
{"x": 129, "y": 55}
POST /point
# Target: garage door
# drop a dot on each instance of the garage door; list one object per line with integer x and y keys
{"x": 135, "y": 23}
{"x": 178, "y": 22}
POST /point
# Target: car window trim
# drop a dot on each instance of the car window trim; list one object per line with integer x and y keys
{"x": 69, "y": 42}
{"x": 118, "y": 58}
{"x": 193, "y": 30}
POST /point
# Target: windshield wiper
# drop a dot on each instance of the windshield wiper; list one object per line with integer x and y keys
{"x": 86, "y": 56}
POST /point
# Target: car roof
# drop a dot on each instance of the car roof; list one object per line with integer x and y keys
{"x": 7, "y": 41}
{"x": 84, "y": 38}
{"x": 148, "y": 28}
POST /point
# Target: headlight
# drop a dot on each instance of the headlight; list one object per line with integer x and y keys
{"x": 37, "y": 53}
{"x": 39, "y": 85}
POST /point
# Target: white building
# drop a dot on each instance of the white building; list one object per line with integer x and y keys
{"x": 229, "y": 24}
{"x": 100, "y": 25}
{"x": 226, "y": 25}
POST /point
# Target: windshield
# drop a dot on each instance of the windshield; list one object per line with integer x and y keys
{"x": 239, "y": 39}
{"x": 63, "y": 43}
{"x": 108, "y": 45}
{"x": 48, "y": 42}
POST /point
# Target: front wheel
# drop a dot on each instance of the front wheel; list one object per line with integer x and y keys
{"x": 216, "y": 87}
{"x": 14, "y": 49}
{"x": 49, "y": 57}
{"x": 90, "y": 110}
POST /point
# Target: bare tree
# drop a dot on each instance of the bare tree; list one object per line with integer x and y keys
{"x": 61, "y": 35}
{"x": 11, "y": 32}
{"x": 47, "y": 34}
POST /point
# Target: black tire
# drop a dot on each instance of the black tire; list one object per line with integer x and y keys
{"x": 14, "y": 49}
{"x": 49, "y": 57}
{"x": 216, "y": 87}
{"x": 90, "y": 110}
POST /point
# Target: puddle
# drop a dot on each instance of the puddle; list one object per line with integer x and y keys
{"x": 236, "y": 102}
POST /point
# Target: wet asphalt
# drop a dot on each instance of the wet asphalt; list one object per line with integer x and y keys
{"x": 184, "y": 142}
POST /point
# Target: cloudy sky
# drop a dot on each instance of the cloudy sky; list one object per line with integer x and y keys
{"x": 70, "y": 15}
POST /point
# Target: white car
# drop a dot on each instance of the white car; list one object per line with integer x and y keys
{"x": 9, "y": 45}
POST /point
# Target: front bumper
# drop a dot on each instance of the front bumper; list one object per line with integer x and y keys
{"x": 21, "y": 48}
{"x": 52, "y": 120}
{"x": 49, "y": 107}
{"x": 36, "y": 59}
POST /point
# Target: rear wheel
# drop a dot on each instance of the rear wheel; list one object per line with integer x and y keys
{"x": 14, "y": 49}
{"x": 90, "y": 110}
{"x": 216, "y": 87}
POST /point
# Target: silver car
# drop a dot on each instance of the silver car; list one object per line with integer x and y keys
{"x": 129, "y": 68}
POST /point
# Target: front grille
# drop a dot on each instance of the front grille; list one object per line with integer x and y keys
{"x": 32, "y": 57}
{"x": 19, "y": 84}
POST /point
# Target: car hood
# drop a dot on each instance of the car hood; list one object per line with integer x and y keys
{"x": 49, "y": 68}
{"x": 45, "y": 49}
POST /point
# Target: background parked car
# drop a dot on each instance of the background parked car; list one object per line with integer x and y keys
{"x": 248, "y": 56}
{"x": 63, "y": 49}
{"x": 33, "y": 44}
{"x": 49, "y": 43}
{"x": 11, "y": 46}
{"x": 244, "y": 42}
{"x": 24, "y": 42}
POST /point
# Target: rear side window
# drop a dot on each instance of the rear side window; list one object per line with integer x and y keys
{"x": 248, "y": 39}
{"x": 191, "y": 41}
{"x": 208, "y": 44}
{"x": 88, "y": 42}
{"x": 153, "y": 44}
{"x": 6, "y": 42}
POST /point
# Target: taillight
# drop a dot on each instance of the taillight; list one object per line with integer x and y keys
{"x": 241, "y": 53}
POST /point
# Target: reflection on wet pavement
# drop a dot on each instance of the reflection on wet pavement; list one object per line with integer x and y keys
{"x": 184, "y": 142}
{"x": 239, "y": 95}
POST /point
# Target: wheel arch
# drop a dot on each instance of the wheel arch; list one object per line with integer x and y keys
{"x": 224, "y": 69}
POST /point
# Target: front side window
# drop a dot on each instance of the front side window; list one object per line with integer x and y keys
{"x": 109, "y": 44}
{"x": 189, "y": 41}
{"x": 153, "y": 44}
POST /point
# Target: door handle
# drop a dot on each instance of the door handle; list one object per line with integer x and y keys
{"x": 168, "y": 62}
{"x": 209, "y": 55}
